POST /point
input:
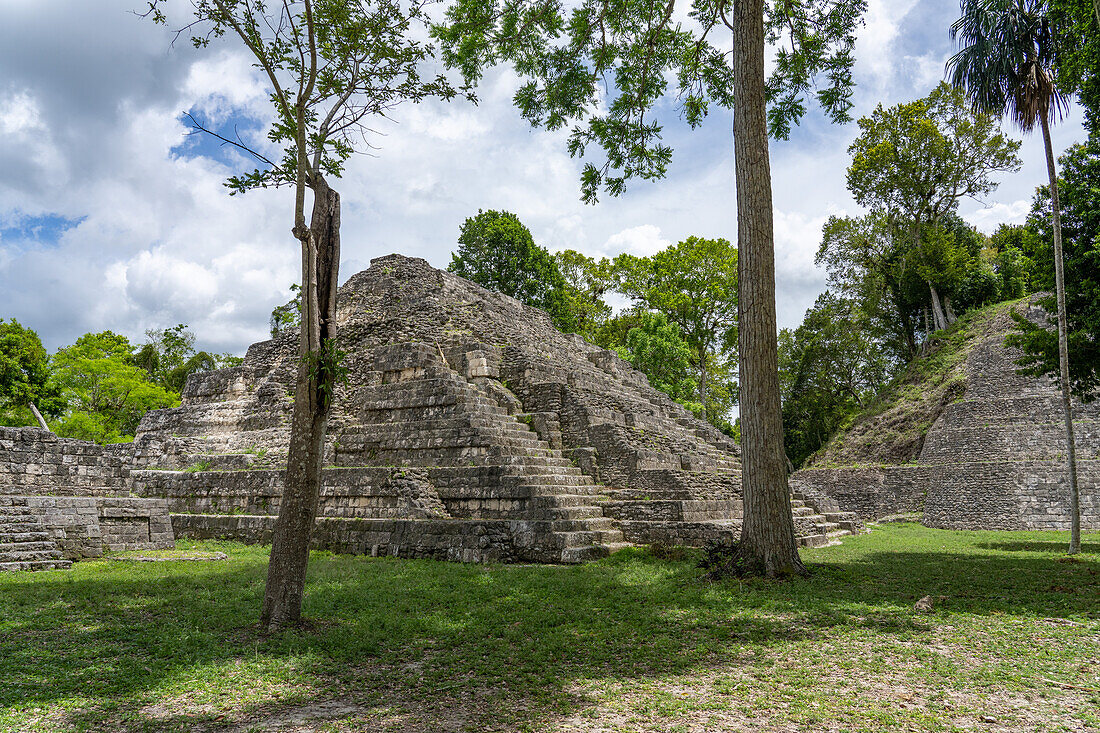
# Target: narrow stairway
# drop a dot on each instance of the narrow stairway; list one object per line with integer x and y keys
{"x": 24, "y": 542}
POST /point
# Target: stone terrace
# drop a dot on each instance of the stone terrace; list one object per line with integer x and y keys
{"x": 468, "y": 429}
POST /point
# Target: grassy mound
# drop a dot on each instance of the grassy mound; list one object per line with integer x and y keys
{"x": 893, "y": 427}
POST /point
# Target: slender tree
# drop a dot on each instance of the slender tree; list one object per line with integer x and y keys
{"x": 603, "y": 67}
{"x": 332, "y": 66}
{"x": 1006, "y": 53}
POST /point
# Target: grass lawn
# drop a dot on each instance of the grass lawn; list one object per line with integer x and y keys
{"x": 632, "y": 643}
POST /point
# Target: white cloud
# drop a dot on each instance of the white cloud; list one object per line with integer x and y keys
{"x": 989, "y": 218}
{"x": 18, "y": 114}
{"x": 641, "y": 240}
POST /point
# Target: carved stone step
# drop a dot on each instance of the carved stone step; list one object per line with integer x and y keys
{"x": 35, "y": 565}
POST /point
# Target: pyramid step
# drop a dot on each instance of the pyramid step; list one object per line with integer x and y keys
{"x": 569, "y": 513}
{"x": 31, "y": 555}
{"x": 561, "y": 501}
{"x": 582, "y": 538}
{"x": 7, "y": 546}
{"x": 592, "y": 552}
{"x": 58, "y": 564}
{"x": 599, "y": 524}
{"x": 33, "y": 533}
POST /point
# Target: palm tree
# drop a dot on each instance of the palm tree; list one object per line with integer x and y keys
{"x": 1006, "y": 52}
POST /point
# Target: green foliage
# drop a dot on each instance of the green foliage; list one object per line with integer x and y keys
{"x": 496, "y": 251}
{"x": 1076, "y": 28}
{"x": 915, "y": 160}
{"x": 329, "y": 366}
{"x": 1016, "y": 269}
{"x": 911, "y": 165}
{"x": 289, "y": 314}
{"x": 605, "y": 68}
{"x": 655, "y": 348}
{"x": 169, "y": 357}
{"x": 868, "y": 262}
{"x": 1079, "y": 190}
{"x": 24, "y": 376}
{"x": 587, "y": 280}
{"x": 105, "y": 392}
{"x": 694, "y": 284}
{"x": 829, "y": 368}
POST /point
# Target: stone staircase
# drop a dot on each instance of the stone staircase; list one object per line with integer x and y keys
{"x": 820, "y": 529}
{"x": 24, "y": 543}
{"x": 479, "y": 454}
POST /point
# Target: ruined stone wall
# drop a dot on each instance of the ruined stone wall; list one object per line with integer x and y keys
{"x": 88, "y": 526}
{"x": 79, "y": 493}
{"x": 1016, "y": 495}
{"x": 869, "y": 491}
{"x": 34, "y": 461}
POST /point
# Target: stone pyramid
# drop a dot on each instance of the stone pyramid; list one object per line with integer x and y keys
{"x": 469, "y": 429}
{"x": 993, "y": 458}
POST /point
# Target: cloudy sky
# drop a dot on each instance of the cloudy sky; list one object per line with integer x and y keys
{"x": 113, "y": 217}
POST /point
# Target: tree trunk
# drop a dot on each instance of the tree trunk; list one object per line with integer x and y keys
{"x": 768, "y": 545}
{"x": 939, "y": 319}
{"x": 286, "y": 569}
{"x": 1063, "y": 348}
{"x": 38, "y": 416}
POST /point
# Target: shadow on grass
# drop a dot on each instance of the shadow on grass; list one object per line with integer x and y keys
{"x": 163, "y": 646}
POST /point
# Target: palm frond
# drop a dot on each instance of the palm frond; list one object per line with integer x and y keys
{"x": 1002, "y": 65}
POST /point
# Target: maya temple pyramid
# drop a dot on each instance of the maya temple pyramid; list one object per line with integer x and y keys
{"x": 468, "y": 429}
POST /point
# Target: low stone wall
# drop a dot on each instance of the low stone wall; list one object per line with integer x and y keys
{"x": 444, "y": 539}
{"x": 687, "y": 534}
{"x": 37, "y": 462}
{"x": 87, "y": 526}
{"x": 977, "y": 495}
{"x": 869, "y": 491}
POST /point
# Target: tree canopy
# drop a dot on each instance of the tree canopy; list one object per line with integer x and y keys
{"x": 694, "y": 284}
{"x": 105, "y": 392}
{"x": 24, "y": 375}
{"x": 496, "y": 251}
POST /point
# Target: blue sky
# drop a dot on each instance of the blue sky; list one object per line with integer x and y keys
{"x": 112, "y": 217}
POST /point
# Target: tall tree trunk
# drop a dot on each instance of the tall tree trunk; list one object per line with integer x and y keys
{"x": 1063, "y": 348}
{"x": 286, "y": 571}
{"x": 768, "y": 544}
{"x": 939, "y": 318}
{"x": 38, "y": 416}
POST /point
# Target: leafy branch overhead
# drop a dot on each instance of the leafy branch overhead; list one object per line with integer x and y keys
{"x": 367, "y": 60}
{"x": 603, "y": 68}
